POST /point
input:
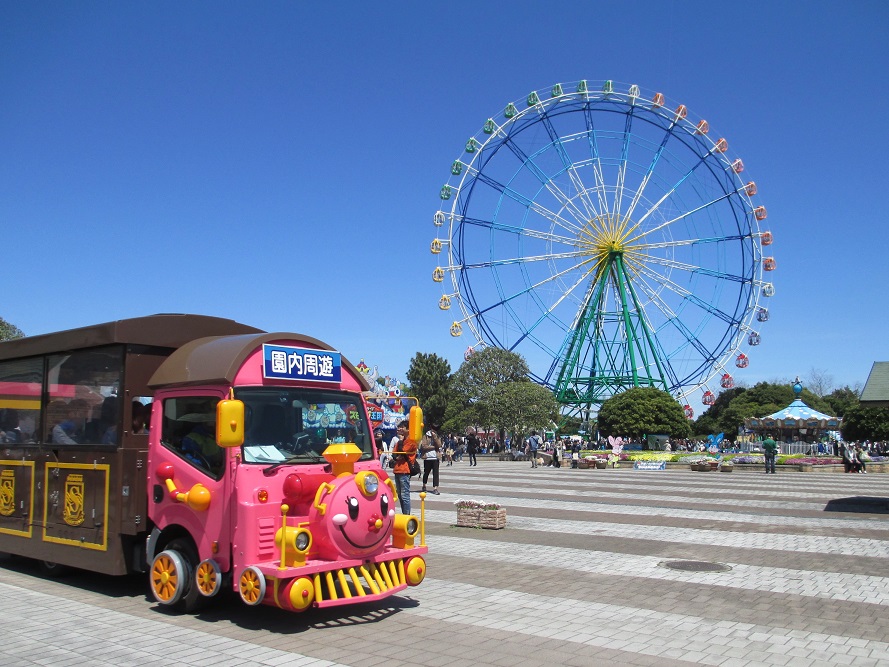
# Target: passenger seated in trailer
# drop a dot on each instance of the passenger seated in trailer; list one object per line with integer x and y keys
{"x": 61, "y": 416}
{"x": 141, "y": 415}
{"x": 10, "y": 432}
{"x": 103, "y": 429}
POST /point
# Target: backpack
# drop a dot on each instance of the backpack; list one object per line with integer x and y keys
{"x": 533, "y": 442}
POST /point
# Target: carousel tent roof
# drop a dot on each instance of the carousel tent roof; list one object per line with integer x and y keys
{"x": 798, "y": 410}
{"x": 796, "y": 415}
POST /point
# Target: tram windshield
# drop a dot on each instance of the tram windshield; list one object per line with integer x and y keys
{"x": 296, "y": 425}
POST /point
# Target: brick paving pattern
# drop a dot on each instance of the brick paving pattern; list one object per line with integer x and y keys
{"x": 578, "y": 577}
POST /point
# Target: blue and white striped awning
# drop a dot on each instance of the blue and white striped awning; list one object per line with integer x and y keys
{"x": 795, "y": 415}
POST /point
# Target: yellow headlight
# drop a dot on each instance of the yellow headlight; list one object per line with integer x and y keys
{"x": 368, "y": 483}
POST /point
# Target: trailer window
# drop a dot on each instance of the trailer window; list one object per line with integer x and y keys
{"x": 84, "y": 401}
{"x": 21, "y": 383}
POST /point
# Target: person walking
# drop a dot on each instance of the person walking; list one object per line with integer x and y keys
{"x": 472, "y": 448}
{"x": 533, "y": 445}
{"x": 430, "y": 450}
{"x": 449, "y": 450}
{"x": 771, "y": 451}
{"x": 405, "y": 451}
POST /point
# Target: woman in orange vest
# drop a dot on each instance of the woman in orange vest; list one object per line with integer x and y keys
{"x": 405, "y": 451}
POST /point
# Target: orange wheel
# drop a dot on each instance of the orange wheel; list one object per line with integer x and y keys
{"x": 251, "y": 586}
{"x": 208, "y": 577}
{"x": 168, "y": 577}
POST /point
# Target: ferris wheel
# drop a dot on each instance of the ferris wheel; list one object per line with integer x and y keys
{"x": 610, "y": 239}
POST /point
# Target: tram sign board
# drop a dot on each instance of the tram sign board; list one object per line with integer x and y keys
{"x": 282, "y": 362}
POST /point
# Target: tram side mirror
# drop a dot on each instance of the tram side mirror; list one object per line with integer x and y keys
{"x": 415, "y": 423}
{"x": 230, "y": 423}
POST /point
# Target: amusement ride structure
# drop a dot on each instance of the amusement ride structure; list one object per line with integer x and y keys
{"x": 609, "y": 238}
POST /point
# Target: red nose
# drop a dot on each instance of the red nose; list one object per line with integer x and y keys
{"x": 374, "y": 523}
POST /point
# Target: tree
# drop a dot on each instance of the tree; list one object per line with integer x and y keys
{"x": 643, "y": 410}
{"x": 430, "y": 378}
{"x": 841, "y": 400}
{"x": 478, "y": 376}
{"x": 866, "y": 424}
{"x": 9, "y": 331}
{"x": 713, "y": 420}
{"x": 487, "y": 368}
{"x": 519, "y": 407}
{"x": 460, "y": 415}
{"x": 819, "y": 381}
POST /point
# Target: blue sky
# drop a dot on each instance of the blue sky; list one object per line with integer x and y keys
{"x": 279, "y": 163}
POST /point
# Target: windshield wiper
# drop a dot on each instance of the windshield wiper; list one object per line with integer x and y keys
{"x": 296, "y": 458}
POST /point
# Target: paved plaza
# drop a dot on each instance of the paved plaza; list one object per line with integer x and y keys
{"x": 580, "y": 576}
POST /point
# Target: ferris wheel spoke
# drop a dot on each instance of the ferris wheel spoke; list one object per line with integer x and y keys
{"x": 690, "y": 296}
{"x": 649, "y": 171}
{"x": 691, "y": 268}
{"x": 622, "y": 169}
{"x": 547, "y": 182}
{"x": 674, "y": 320}
{"x": 531, "y": 204}
{"x": 528, "y": 259}
{"x": 598, "y": 172}
{"x": 568, "y": 165}
{"x": 550, "y": 309}
{"x": 670, "y": 192}
{"x": 532, "y": 288}
{"x": 667, "y": 223}
{"x": 521, "y": 231}
{"x": 686, "y": 242}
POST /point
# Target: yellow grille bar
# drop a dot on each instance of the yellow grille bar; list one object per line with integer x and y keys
{"x": 373, "y": 578}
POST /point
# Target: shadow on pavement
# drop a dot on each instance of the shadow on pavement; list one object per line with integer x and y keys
{"x": 227, "y": 607}
{"x": 860, "y": 504}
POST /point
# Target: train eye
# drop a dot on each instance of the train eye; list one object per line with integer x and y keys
{"x": 384, "y": 504}
{"x": 353, "y": 507}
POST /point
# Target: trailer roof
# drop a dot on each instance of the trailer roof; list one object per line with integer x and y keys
{"x": 164, "y": 330}
{"x": 217, "y": 359}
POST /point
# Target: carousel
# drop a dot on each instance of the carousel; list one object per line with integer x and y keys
{"x": 797, "y": 423}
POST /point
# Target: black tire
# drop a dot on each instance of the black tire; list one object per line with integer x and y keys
{"x": 52, "y": 570}
{"x": 191, "y": 600}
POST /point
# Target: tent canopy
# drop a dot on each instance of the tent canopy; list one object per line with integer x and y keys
{"x": 795, "y": 415}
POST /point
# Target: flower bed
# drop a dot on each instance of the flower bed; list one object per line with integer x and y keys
{"x": 750, "y": 459}
{"x": 810, "y": 460}
{"x": 477, "y": 514}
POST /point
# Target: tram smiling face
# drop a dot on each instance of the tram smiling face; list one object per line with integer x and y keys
{"x": 358, "y": 518}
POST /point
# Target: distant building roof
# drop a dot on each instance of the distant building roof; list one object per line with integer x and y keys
{"x": 876, "y": 390}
